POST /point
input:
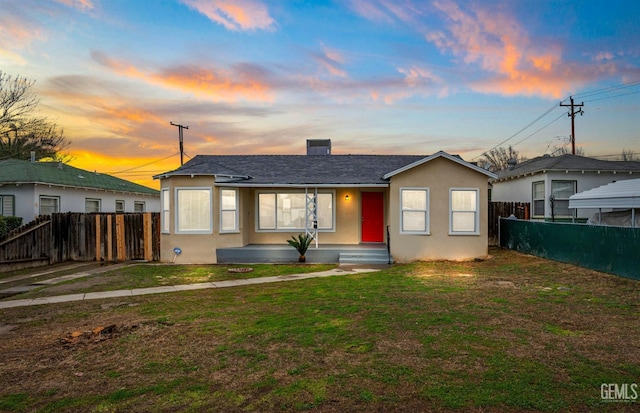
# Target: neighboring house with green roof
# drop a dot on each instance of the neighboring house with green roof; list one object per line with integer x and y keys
{"x": 29, "y": 189}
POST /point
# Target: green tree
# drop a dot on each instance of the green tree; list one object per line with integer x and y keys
{"x": 21, "y": 130}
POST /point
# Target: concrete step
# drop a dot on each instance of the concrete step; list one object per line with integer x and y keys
{"x": 364, "y": 257}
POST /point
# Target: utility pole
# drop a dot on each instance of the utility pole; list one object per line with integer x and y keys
{"x": 180, "y": 136}
{"x": 572, "y": 115}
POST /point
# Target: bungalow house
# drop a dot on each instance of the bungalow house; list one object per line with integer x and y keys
{"x": 29, "y": 189}
{"x": 420, "y": 207}
{"x": 547, "y": 183}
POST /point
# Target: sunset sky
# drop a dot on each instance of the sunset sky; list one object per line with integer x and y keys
{"x": 376, "y": 77}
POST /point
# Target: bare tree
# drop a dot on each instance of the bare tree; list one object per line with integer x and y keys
{"x": 563, "y": 150}
{"x": 500, "y": 158}
{"x": 21, "y": 131}
{"x": 629, "y": 155}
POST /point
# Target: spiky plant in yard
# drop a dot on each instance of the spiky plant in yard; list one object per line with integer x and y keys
{"x": 301, "y": 244}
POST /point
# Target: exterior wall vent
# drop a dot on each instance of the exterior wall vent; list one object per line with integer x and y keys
{"x": 318, "y": 146}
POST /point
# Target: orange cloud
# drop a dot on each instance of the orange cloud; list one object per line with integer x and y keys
{"x": 235, "y": 15}
{"x": 244, "y": 82}
{"x": 500, "y": 46}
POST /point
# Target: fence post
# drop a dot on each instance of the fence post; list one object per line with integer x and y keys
{"x": 98, "y": 237}
{"x": 109, "y": 239}
{"x": 148, "y": 237}
{"x": 120, "y": 242}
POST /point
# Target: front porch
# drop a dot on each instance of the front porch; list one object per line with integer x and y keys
{"x": 330, "y": 253}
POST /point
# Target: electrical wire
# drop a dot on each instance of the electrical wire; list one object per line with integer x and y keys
{"x": 141, "y": 166}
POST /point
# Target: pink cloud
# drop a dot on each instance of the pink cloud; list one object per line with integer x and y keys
{"x": 331, "y": 60}
{"x": 496, "y": 42}
{"x": 235, "y": 15}
{"x": 218, "y": 84}
{"x": 78, "y": 4}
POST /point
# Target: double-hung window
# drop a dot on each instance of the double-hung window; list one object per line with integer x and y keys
{"x": 138, "y": 206}
{"x": 91, "y": 205}
{"x": 164, "y": 200}
{"x": 287, "y": 211}
{"x": 561, "y": 191}
{"x": 7, "y": 205}
{"x": 538, "y": 199}
{"x": 49, "y": 204}
{"x": 414, "y": 210}
{"x": 464, "y": 211}
{"x": 229, "y": 210}
{"x": 119, "y": 206}
{"x": 193, "y": 211}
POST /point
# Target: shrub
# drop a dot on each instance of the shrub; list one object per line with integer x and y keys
{"x": 8, "y": 224}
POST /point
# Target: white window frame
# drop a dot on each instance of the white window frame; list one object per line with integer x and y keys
{"x": 165, "y": 217}
{"x": 534, "y": 199}
{"x": 177, "y": 210}
{"x": 476, "y": 212}
{"x": 99, "y": 202}
{"x": 427, "y": 221}
{"x": 137, "y": 203}
{"x": 121, "y": 210}
{"x": 236, "y": 223}
{"x": 258, "y": 228}
{"x": 4, "y": 200}
{"x": 575, "y": 190}
{"x": 56, "y": 198}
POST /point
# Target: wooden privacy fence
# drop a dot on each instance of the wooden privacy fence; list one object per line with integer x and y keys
{"x": 504, "y": 209}
{"x": 82, "y": 237}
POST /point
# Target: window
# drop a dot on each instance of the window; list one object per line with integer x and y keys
{"x": 119, "y": 206}
{"x": 91, "y": 205}
{"x": 228, "y": 210}
{"x": 287, "y": 211}
{"x": 538, "y": 199}
{"x": 164, "y": 199}
{"x": 7, "y": 203}
{"x": 138, "y": 206}
{"x": 193, "y": 210}
{"x": 561, "y": 191}
{"x": 464, "y": 206}
{"x": 49, "y": 205}
{"x": 414, "y": 210}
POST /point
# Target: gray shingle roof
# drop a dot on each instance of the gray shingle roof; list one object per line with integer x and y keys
{"x": 302, "y": 169}
{"x": 567, "y": 162}
{"x": 53, "y": 173}
{"x": 298, "y": 169}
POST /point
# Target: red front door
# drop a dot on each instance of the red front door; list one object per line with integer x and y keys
{"x": 372, "y": 217}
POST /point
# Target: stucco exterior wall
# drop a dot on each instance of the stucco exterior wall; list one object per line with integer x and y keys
{"x": 200, "y": 248}
{"x": 439, "y": 175}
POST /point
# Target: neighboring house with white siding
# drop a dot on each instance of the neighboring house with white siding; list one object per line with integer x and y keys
{"x": 29, "y": 189}
{"x": 544, "y": 179}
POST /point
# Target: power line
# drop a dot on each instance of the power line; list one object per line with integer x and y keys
{"x": 554, "y": 106}
{"x": 141, "y": 166}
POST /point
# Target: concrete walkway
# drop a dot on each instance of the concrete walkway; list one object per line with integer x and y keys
{"x": 175, "y": 288}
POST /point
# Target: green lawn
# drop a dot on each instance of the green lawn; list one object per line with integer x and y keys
{"x": 513, "y": 333}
